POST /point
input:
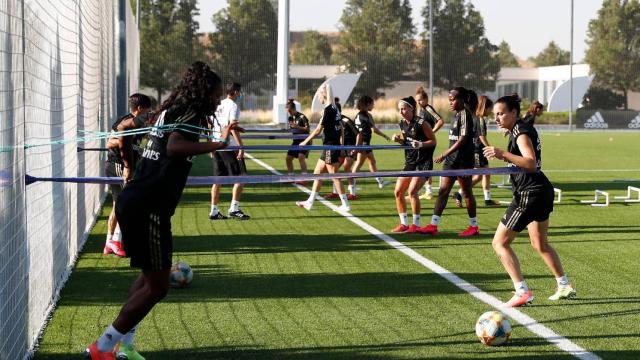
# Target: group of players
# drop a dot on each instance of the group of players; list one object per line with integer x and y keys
{"x": 144, "y": 206}
{"x": 468, "y": 148}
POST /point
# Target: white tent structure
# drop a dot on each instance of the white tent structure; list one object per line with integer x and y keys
{"x": 342, "y": 86}
{"x": 561, "y": 97}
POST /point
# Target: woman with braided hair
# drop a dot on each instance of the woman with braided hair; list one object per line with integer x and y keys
{"x": 146, "y": 205}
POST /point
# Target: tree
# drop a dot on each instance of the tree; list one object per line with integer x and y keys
{"x": 599, "y": 98}
{"x": 376, "y": 39}
{"x": 506, "y": 57}
{"x": 168, "y": 41}
{"x": 552, "y": 55}
{"x": 244, "y": 46}
{"x": 315, "y": 49}
{"x": 614, "y": 47}
{"x": 462, "y": 54}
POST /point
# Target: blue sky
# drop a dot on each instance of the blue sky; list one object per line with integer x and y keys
{"x": 527, "y": 25}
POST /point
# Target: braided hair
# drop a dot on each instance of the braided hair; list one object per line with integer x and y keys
{"x": 195, "y": 92}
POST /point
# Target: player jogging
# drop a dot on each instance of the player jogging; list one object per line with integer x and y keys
{"x": 331, "y": 126}
{"x": 366, "y": 126}
{"x": 531, "y": 205}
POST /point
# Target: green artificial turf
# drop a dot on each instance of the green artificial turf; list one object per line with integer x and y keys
{"x": 292, "y": 284}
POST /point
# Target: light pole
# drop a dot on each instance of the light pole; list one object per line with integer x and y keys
{"x": 431, "y": 50}
{"x": 282, "y": 84}
{"x": 571, "y": 74}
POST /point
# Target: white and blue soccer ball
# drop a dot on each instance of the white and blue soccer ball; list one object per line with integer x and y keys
{"x": 181, "y": 275}
{"x": 493, "y": 328}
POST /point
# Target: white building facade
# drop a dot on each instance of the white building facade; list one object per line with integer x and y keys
{"x": 538, "y": 83}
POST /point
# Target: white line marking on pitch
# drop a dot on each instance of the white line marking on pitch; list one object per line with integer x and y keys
{"x": 530, "y": 323}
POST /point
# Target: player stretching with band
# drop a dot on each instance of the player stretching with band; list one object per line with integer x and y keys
{"x": 532, "y": 202}
{"x": 147, "y": 203}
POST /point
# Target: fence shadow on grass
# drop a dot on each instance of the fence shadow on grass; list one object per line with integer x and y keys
{"x": 219, "y": 284}
{"x": 390, "y": 351}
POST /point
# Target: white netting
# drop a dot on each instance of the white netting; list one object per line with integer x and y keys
{"x": 58, "y": 80}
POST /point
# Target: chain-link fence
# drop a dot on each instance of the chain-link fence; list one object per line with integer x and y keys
{"x": 58, "y": 67}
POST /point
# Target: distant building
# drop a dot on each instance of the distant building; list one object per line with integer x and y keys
{"x": 536, "y": 83}
{"x": 310, "y": 72}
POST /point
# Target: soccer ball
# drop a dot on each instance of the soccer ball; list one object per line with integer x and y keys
{"x": 181, "y": 275}
{"x": 493, "y": 328}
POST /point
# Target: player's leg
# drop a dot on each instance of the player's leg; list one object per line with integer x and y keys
{"x": 113, "y": 244}
{"x": 148, "y": 242}
{"x": 348, "y": 167}
{"x": 373, "y": 167}
{"x": 219, "y": 169}
{"x": 446, "y": 183}
{"x": 402, "y": 184}
{"x": 470, "y": 201}
{"x": 289, "y": 162}
{"x": 237, "y": 167}
{"x": 428, "y": 190}
{"x": 126, "y": 349}
{"x": 317, "y": 184}
{"x": 538, "y": 235}
{"x": 155, "y": 288}
{"x": 501, "y": 243}
{"x": 330, "y": 157}
{"x": 302, "y": 159}
{"x": 414, "y": 187}
{"x": 333, "y": 169}
{"x": 486, "y": 190}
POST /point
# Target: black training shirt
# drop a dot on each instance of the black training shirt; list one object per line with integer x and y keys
{"x": 413, "y": 131}
{"x": 364, "y": 122}
{"x": 535, "y": 181}
{"x": 160, "y": 179}
{"x": 113, "y": 155}
{"x": 300, "y": 120}
{"x": 479, "y": 129}
{"x": 462, "y": 125}
{"x": 332, "y": 125}
{"x": 350, "y": 131}
{"x": 429, "y": 115}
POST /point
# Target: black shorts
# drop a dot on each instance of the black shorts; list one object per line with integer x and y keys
{"x": 226, "y": 163}
{"x": 296, "y": 153}
{"x": 426, "y": 166}
{"x": 348, "y": 153}
{"x": 458, "y": 165}
{"x": 146, "y": 236}
{"x": 330, "y": 156}
{"x": 112, "y": 169}
{"x": 481, "y": 161}
{"x": 367, "y": 143}
{"x": 526, "y": 207}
